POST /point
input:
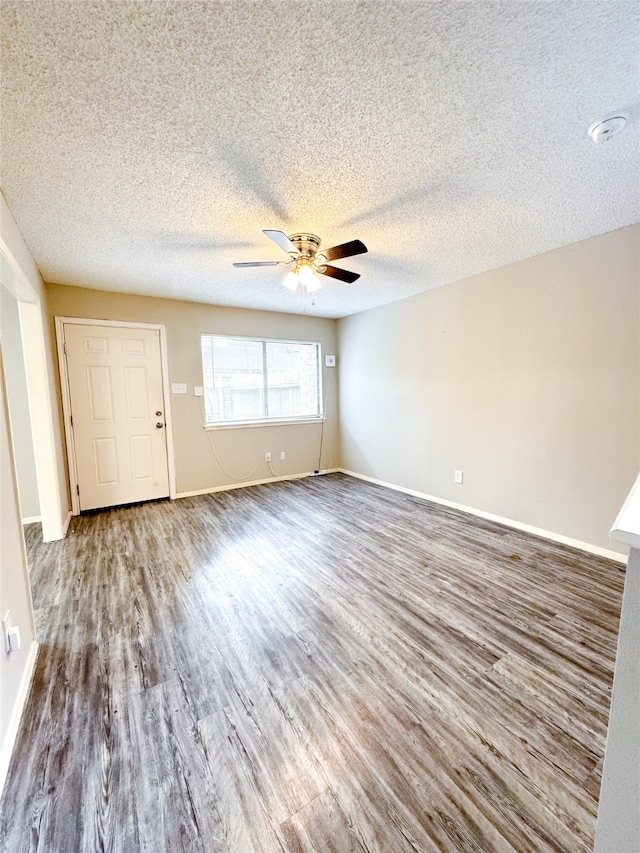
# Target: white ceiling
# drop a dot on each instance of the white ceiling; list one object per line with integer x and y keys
{"x": 145, "y": 145}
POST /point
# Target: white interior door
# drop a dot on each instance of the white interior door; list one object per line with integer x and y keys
{"x": 117, "y": 411}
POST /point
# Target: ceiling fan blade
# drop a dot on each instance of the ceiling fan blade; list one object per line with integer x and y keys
{"x": 336, "y": 272}
{"x": 344, "y": 250}
{"x": 281, "y": 239}
{"x": 260, "y": 264}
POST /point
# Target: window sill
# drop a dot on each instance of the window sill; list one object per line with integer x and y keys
{"x": 248, "y": 424}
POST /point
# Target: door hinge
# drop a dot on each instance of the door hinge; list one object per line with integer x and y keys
{"x": 64, "y": 347}
{"x": 71, "y": 419}
{"x": 78, "y": 489}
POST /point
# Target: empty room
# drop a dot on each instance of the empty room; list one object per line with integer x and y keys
{"x": 320, "y": 430}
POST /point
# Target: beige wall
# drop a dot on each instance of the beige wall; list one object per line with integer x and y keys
{"x": 526, "y": 378}
{"x": 240, "y": 450}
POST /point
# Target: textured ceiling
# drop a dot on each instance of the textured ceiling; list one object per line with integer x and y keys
{"x": 145, "y": 145}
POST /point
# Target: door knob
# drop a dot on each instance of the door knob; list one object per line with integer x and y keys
{"x": 159, "y": 425}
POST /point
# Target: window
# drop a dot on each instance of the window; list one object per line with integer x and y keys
{"x": 247, "y": 380}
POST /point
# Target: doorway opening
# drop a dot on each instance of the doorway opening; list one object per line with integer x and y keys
{"x": 35, "y": 445}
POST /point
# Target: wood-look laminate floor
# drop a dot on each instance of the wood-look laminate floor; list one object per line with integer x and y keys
{"x": 317, "y": 665}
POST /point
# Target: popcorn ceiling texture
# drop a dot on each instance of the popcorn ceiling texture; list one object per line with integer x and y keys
{"x": 146, "y": 144}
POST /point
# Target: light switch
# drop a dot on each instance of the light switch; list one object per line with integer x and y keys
{"x": 198, "y": 391}
{"x": 14, "y": 638}
{"x": 178, "y": 387}
{"x": 6, "y": 627}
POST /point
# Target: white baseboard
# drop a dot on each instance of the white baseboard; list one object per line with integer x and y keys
{"x": 508, "y": 522}
{"x": 228, "y": 487}
{"x": 16, "y": 714}
{"x": 32, "y": 519}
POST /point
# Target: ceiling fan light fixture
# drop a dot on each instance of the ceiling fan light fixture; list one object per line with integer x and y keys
{"x": 291, "y": 280}
{"x": 307, "y": 278}
{"x": 313, "y": 284}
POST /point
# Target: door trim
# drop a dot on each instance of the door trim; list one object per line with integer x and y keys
{"x": 66, "y": 397}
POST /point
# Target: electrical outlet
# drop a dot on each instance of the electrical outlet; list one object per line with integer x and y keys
{"x": 283, "y": 455}
{"x": 198, "y": 391}
{"x": 457, "y": 476}
{"x": 267, "y": 456}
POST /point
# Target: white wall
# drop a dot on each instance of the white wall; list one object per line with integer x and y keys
{"x": 526, "y": 378}
{"x": 618, "y": 826}
{"x": 15, "y": 595}
{"x": 18, "y": 400}
{"x": 41, "y": 370}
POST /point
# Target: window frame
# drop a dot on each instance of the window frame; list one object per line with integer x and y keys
{"x": 264, "y": 421}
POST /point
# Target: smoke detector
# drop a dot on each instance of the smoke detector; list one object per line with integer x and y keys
{"x": 603, "y": 129}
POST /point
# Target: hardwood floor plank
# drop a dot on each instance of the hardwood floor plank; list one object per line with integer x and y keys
{"x": 321, "y": 826}
{"x": 267, "y": 747}
{"x": 311, "y": 665}
{"x": 396, "y": 808}
{"x": 492, "y": 700}
{"x": 578, "y": 711}
{"x": 171, "y": 761}
{"x": 246, "y": 822}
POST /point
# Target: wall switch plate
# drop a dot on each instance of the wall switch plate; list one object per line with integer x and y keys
{"x": 198, "y": 391}
{"x": 329, "y": 361}
{"x": 457, "y": 476}
{"x": 283, "y": 455}
{"x": 178, "y": 387}
{"x": 14, "y": 639}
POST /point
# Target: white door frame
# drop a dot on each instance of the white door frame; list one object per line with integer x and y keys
{"x": 66, "y": 397}
{"x": 53, "y": 505}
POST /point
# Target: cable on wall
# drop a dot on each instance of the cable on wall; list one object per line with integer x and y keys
{"x": 219, "y": 461}
{"x": 324, "y": 417}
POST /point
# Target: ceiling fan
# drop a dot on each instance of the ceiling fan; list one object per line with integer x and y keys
{"x": 308, "y": 261}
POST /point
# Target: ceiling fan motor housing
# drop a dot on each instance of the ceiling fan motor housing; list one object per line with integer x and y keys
{"x": 306, "y": 244}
